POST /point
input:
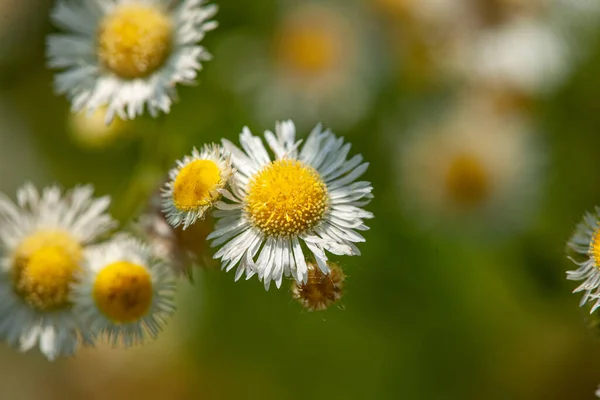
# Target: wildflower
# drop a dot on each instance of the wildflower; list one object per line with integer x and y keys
{"x": 585, "y": 241}
{"x": 42, "y": 242}
{"x": 319, "y": 63}
{"x": 524, "y": 54}
{"x": 473, "y": 168}
{"x": 320, "y": 291}
{"x": 306, "y": 196}
{"x": 124, "y": 293}
{"x": 194, "y": 185}
{"x": 127, "y": 54}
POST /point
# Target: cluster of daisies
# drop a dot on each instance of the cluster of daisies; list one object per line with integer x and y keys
{"x": 64, "y": 282}
{"x": 70, "y": 277}
{"x": 272, "y": 211}
{"x": 67, "y": 278}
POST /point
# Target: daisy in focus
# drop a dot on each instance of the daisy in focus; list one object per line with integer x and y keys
{"x": 307, "y": 197}
{"x": 124, "y": 293}
{"x": 318, "y": 64}
{"x": 127, "y": 55}
{"x": 194, "y": 185}
{"x": 586, "y": 242}
{"x": 42, "y": 241}
{"x": 473, "y": 169}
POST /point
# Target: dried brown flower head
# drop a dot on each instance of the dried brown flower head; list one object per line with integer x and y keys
{"x": 321, "y": 291}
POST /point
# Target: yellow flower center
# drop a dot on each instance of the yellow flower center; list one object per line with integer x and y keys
{"x": 135, "y": 40}
{"x": 44, "y": 267}
{"x": 308, "y": 49}
{"x": 123, "y": 291}
{"x": 286, "y": 198}
{"x": 196, "y": 184}
{"x": 594, "y": 250}
{"x": 467, "y": 181}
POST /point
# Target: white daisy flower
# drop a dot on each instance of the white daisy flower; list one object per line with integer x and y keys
{"x": 320, "y": 62}
{"x": 194, "y": 185}
{"x": 586, "y": 242}
{"x": 42, "y": 242}
{"x": 525, "y": 54}
{"x": 124, "y": 293}
{"x": 475, "y": 168}
{"x": 127, "y": 54}
{"x": 306, "y": 196}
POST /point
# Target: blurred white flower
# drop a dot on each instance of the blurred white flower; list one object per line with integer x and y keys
{"x": 524, "y": 55}
{"x": 127, "y": 54}
{"x": 319, "y": 63}
{"x": 42, "y": 243}
{"x": 473, "y": 168}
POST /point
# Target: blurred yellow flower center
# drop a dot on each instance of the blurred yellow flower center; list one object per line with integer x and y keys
{"x": 135, "y": 40}
{"x": 467, "y": 181}
{"x": 123, "y": 291}
{"x": 92, "y": 131}
{"x": 308, "y": 49}
{"x": 196, "y": 184}
{"x": 44, "y": 267}
{"x": 286, "y": 198}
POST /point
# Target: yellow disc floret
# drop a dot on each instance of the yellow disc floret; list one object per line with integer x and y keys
{"x": 123, "y": 291}
{"x": 196, "y": 185}
{"x": 44, "y": 268}
{"x": 595, "y": 248}
{"x": 286, "y": 198}
{"x": 467, "y": 181}
{"x": 135, "y": 40}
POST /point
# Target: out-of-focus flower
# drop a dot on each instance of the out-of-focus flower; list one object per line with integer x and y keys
{"x": 305, "y": 196}
{"x": 319, "y": 64}
{"x": 42, "y": 242}
{"x": 475, "y": 167}
{"x": 523, "y": 55}
{"x": 124, "y": 293}
{"x": 194, "y": 185}
{"x": 91, "y": 131}
{"x": 181, "y": 248}
{"x": 320, "y": 291}
{"x": 586, "y": 242}
{"x": 528, "y": 47}
{"x": 127, "y": 54}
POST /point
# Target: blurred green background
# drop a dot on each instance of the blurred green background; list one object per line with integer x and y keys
{"x": 425, "y": 315}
